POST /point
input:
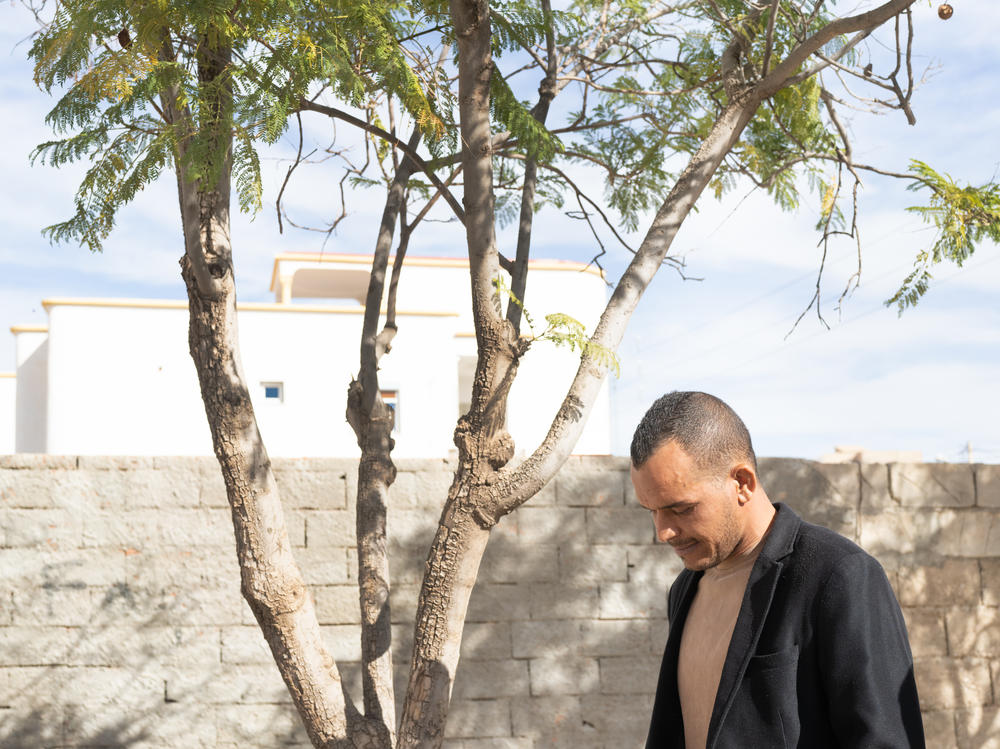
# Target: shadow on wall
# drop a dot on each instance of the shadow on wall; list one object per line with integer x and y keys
{"x": 48, "y": 704}
{"x": 127, "y": 627}
{"x": 567, "y": 622}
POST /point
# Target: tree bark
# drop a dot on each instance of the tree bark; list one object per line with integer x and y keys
{"x": 270, "y": 580}
{"x": 546, "y": 92}
{"x": 371, "y": 420}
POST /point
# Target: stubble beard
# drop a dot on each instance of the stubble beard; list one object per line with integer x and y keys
{"x": 730, "y": 537}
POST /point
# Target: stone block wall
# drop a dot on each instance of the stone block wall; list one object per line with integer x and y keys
{"x": 121, "y": 622}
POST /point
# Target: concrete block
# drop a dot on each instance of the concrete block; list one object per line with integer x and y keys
{"x": 582, "y": 564}
{"x": 225, "y": 683}
{"x": 932, "y": 484}
{"x": 939, "y": 729}
{"x": 31, "y": 728}
{"x": 28, "y": 568}
{"x": 403, "y": 602}
{"x": 555, "y": 721}
{"x": 926, "y": 631}
{"x": 972, "y": 533}
{"x": 947, "y": 683}
{"x": 619, "y": 720}
{"x": 990, "y": 570}
{"x": 31, "y": 489}
{"x": 987, "y": 485}
{"x": 949, "y": 582}
{"x": 550, "y": 525}
{"x": 978, "y": 728}
{"x": 53, "y": 607}
{"x": 827, "y": 494}
{"x": 406, "y": 563}
{"x": 421, "y": 489}
{"x": 515, "y": 563}
{"x": 486, "y": 640}
{"x": 974, "y": 631}
{"x": 318, "y": 490}
{"x": 146, "y": 487}
{"x": 46, "y": 529}
{"x": 496, "y": 742}
{"x": 325, "y": 528}
{"x": 579, "y": 487}
{"x": 479, "y": 679}
{"x": 402, "y": 644}
{"x": 917, "y": 532}
{"x": 653, "y": 566}
{"x": 119, "y": 463}
{"x": 564, "y": 675}
{"x": 193, "y": 647}
{"x": 212, "y": 488}
{"x": 152, "y": 528}
{"x": 35, "y": 646}
{"x": 188, "y": 587}
{"x": 580, "y": 637}
{"x": 165, "y": 725}
{"x": 479, "y": 719}
{"x": 560, "y": 601}
{"x": 37, "y": 461}
{"x": 260, "y": 725}
{"x": 412, "y": 527}
{"x": 244, "y": 645}
{"x": 337, "y": 604}
{"x": 659, "y": 629}
{"x": 875, "y": 494}
{"x": 343, "y": 642}
{"x": 629, "y": 674}
{"x": 631, "y": 601}
{"x": 625, "y": 525}
{"x": 323, "y": 565}
{"x": 498, "y": 601}
{"x": 128, "y": 689}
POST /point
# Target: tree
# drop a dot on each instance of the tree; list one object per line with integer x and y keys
{"x": 727, "y": 88}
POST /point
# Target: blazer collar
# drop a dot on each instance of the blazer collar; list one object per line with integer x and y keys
{"x": 753, "y": 612}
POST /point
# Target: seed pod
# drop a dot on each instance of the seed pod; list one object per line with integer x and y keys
{"x": 945, "y": 11}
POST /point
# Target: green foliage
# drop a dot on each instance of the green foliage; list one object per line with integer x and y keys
{"x": 563, "y": 330}
{"x": 532, "y": 137}
{"x": 963, "y": 216}
{"x": 233, "y": 72}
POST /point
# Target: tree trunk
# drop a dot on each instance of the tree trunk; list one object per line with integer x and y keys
{"x": 270, "y": 579}
{"x": 371, "y": 420}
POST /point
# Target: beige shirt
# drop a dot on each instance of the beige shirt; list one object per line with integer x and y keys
{"x": 705, "y": 642}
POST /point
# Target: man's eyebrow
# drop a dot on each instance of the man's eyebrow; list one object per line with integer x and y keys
{"x": 672, "y": 505}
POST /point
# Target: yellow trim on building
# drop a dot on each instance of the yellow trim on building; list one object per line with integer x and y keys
{"x": 240, "y": 306}
{"x": 8, "y": 375}
{"x": 420, "y": 262}
{"x": 15, "y": 329}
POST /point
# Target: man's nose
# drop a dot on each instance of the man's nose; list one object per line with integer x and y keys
{"x": 664, "y": 530}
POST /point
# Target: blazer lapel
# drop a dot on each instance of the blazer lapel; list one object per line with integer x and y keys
{"x": 666, "y": 727}
{"x": 753, "y": 613}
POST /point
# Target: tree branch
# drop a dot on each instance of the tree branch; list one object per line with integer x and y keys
{"x": 339, "y": 114}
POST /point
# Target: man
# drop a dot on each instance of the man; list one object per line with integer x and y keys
{"x": 782, "y": 633}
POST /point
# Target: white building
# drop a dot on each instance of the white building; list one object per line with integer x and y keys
{"x": 113, "y": 376}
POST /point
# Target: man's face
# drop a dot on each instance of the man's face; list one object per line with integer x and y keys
{"x": 696, "y": 514}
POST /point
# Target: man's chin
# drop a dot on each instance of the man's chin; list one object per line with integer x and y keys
{"x": 691, "y": 555}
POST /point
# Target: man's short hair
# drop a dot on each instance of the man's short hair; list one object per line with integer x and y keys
{"x": 704, "y": 426}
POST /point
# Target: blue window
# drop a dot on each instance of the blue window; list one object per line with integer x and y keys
{"x": 273, "y": 391}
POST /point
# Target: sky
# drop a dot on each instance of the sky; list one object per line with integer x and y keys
{"x": 925, "y": 381}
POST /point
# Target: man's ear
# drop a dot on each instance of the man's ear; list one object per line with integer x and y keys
{"x": 746, "y": 481}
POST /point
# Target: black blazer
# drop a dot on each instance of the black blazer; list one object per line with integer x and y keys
{"x": 819, "y": 656}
